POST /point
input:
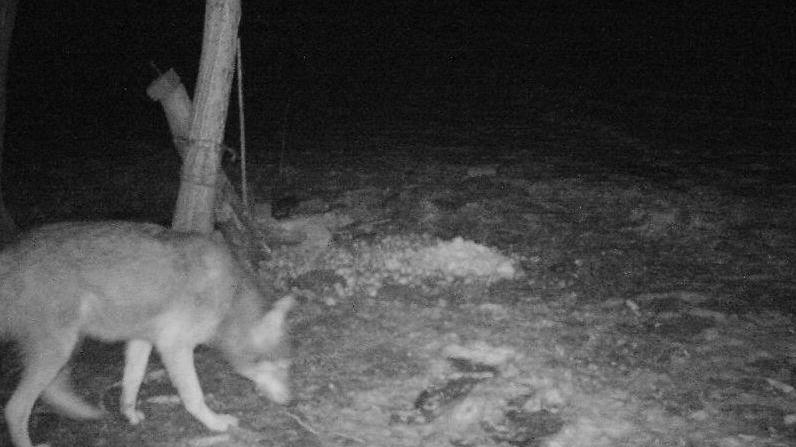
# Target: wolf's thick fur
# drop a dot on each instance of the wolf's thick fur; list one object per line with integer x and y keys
{"x": 139, "y": 283}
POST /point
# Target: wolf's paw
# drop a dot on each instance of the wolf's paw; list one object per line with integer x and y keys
{"x": 221, "y": 422}
{"x": 133, "y": 416}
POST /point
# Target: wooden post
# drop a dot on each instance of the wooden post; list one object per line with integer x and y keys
{"x": 202, "y": 161}
{"x": 232, "y": 217}
{"x": 172, "y": 96}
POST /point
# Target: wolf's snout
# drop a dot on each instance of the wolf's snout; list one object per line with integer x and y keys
{"x": 272, "y": 381}
{"x": 277, "y": 392}
{"x": 271, "y": 378}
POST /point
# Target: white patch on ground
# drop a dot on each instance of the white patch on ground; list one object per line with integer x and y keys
{"x": 405, "y": 260}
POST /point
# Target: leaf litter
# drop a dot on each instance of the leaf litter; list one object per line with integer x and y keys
{"x": 580, "y": 311}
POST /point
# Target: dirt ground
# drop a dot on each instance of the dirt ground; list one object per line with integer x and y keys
{"x": 653, "y": 305}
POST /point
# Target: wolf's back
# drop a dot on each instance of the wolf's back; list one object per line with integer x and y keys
{"x": 110, "y": 279}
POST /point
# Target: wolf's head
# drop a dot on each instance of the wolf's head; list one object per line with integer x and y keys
{"x": 261, "y": 351}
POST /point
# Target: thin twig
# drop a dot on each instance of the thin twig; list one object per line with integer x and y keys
{"x": 244, "y": 184}
{"x": 307, "y": 427}
{"x": 303, "y": 424}
{"x": 155, "y": 67}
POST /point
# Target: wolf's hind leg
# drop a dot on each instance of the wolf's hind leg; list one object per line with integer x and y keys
{"x": 43, "y": 360}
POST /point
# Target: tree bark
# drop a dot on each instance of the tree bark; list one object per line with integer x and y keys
{"x": 201, "y": 165}
{"x": 8, "y": 14}
{"x": 232, "y": 217}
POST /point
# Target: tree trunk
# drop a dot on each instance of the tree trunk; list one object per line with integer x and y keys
{"x": 200, "y": 168}
{"x": 232, "y": 217}
{"x": 8, "y": 14}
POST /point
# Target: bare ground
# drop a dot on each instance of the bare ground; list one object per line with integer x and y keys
{"x": 656, "y": 306}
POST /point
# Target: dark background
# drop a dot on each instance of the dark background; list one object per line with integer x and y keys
{"x": 79, "y": 69}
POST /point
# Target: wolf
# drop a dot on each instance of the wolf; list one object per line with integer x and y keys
{"x": 148, "y": 286}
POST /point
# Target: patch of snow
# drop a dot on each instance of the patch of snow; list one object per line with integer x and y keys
{"x": 591, "y": 432}
{"x": 416, "y": 261}
{"x": 481, "y": 352}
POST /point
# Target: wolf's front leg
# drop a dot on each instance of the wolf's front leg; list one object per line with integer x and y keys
{"x": 136, "y": 357}
{"x": 180, "y": 366}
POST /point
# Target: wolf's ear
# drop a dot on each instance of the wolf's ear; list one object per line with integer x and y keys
{"x": 272, "y": 327}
